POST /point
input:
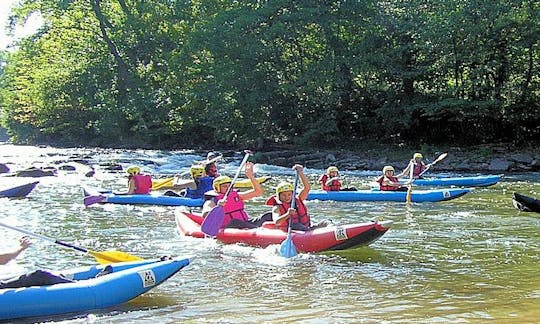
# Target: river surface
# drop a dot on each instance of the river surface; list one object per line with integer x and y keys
{"x": 471, "y": 260}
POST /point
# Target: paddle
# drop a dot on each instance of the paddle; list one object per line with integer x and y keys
{"x": 441, "y": 157}
{"x": 169, "y": 182}
{"x": 287, "y": 248}
{"x": 409, "y": 189}
{"x": 93, "y": 197}
{"x": 101, "y": 257}
{"x": 212, "y": 221}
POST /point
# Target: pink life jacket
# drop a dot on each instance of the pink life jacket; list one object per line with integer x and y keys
{"x": 143, "y": 183}
{"x": 234, "y": 208}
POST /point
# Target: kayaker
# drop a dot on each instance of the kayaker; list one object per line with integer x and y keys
{"x": 233, "y": 204}
{"x": 210, "y": 167}
{"x": 138, "y": 183}
{"x": 417, "y": 166}
{"x": 281, "y": 205}
{"x": 389, "y": 182}
{"x": 36, "y": 278}
{"x": 330, "y": 180}
{"x": 202, "y": 181}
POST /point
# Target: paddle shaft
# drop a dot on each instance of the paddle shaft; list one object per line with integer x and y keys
{"x": 441, "y": 157}
{"x": 288, "y": 245}
{"x": 244, "y": 160}
{"x": 80, "y": 249}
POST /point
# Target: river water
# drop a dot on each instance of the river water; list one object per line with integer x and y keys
{"x": 470, "y": 260}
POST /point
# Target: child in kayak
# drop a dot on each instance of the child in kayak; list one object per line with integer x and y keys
{"x": 416, "y": 165}
{"x": 138, "y": 183}
{"x": 281, "y": 205}
{"x": 389, "y": 182}
{"x": 330, "y": 180}
{"x": 233, "y": 204}
{"x": 202, "y": 181}
{"x": 36, "y": 278}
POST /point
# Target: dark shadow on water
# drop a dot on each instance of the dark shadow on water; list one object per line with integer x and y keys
{"x": 362, "y": 254}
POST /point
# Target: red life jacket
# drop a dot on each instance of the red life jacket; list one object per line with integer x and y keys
{"x": 234, "y": 208}
{"x": 143, "y": 183}
{"x": 385, "y": 187}
{"x": 334, "y": 186}
{"x": 417, "y": 169}
{"x": 301, "y": 217}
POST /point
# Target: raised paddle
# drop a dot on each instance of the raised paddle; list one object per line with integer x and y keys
{"x": 212, "y": 222}
{"x": 287, "y": 248}
{"x": 441, "y": 157}
{"x": 101, "y": 257}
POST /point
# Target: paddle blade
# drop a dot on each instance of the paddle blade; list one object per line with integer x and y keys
{"x": 158, "y": 184}
{"x": 90, "y": 200}
{"x": 212, "y": 222}
{"x": 113, "y": 257}
{"x": 287, "y": 249}
{"x": 409, "y": 193}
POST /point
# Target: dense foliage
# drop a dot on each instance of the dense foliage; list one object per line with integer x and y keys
{"x": 168, "y": 73}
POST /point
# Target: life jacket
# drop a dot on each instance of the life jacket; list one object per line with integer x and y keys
{"x": 301, "y": 217}
{"x": 143, "y": 183}
{"x": 204, "y": 184}
{"x": 417, "y": 169}
{"x": 234, "y": 208}
{"x": 385, "y": 187}
{"x": 334, "y": 186}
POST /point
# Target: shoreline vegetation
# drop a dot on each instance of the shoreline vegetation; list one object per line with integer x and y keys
{"x": 488, "y": 158}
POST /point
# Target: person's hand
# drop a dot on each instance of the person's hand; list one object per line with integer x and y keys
{"x": 24, "y": 242}
{"x": 292, "y": 211}
{"x": 249, "y": 169}
{"x": 222, "y": 202}
{"x": 298, "y": 167}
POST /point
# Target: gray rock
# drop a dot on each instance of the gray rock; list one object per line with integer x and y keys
{"x": 500, "y": 164}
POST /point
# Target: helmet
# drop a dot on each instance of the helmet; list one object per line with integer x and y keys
{"x": 418, "y": 156}
{"x": 332, "y": 169}
{"x": 211, "y": 156}
{"x": 388, "y": 168}
{"x": 133, "y": 170}
{"x": 219, "y": 181}
{"x": 283, "y": 186}
{"x": 196, "y": 171}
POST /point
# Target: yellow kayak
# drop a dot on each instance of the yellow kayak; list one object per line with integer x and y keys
{"x": 175, "y": 183}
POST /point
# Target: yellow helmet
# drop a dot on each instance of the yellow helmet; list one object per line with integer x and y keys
{"x": 133, "y": 170}
{"x": 283, "y": 186}
{"x": 219, "y": 181}
{"x": 418, "y": 156}
{"x": 388, "y": 168}
{"x": 332, "y": 169}
{"x": 196, "y": 171}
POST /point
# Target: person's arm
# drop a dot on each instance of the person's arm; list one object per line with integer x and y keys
{"x": 280, "y": 219}
{"x": 131, "y": 186}
{"x": 305, "y": 182}
{"x": 24, "y": 243}
{"x": 388, "y": 182}
{"x": 257, "y": 188}
{"x": 207, "y": 207}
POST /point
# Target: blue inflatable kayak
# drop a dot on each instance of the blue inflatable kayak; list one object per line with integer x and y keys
{"x": 127, "y": 281}
{"x": 18, "y": 191}
{"x": 91, "y": 196}
{"x": 377, "y": 195}
{"x": 476, "y": 181}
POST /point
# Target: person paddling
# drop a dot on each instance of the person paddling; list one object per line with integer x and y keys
{"x": 138, "y": 183}
{"x": 389, "y": 182}
{"x": 281, "y": 205}
{"x": 416, "y": 165}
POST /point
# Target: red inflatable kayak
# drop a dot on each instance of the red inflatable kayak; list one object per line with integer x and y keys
{"x": 321, "y": 239}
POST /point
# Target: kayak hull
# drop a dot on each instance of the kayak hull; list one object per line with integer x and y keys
{"x": 377, "y": 195}
{"x": 141, "y": 199}
{"x": 525, "y": 203}
{"x": 19, "y": 191}
{"x": 127, "y": 281}
{"x": 476, "y": 181}
{"x": 321, "y": 239}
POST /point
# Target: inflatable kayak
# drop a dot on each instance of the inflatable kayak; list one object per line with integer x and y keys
{"x": 377, "y": 195}
{"x": 477, "y": 181}
{"x": 90, "y": 197}
{"x": 525, "y": 203}
{"x": 126, "y": 281}
{"x": 19, "y": 191}
{"x": 172, "y": 183}
{"x": 321, "y": 239}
